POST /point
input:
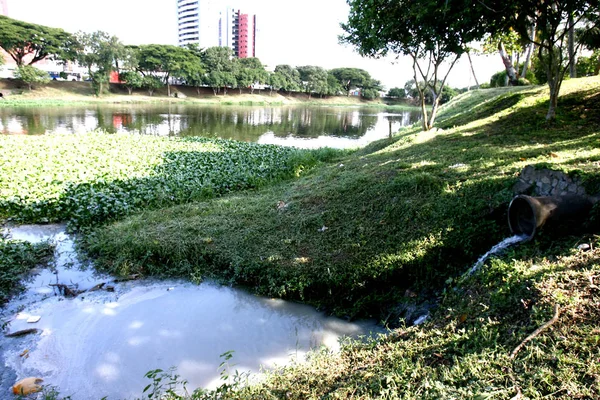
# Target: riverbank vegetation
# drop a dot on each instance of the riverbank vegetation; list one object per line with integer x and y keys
{"x": 61, "y": 93}
{"x": 398, "y": 223}
{"x": 93, "y": 178}
{"x": 17, "y": 259}
{"x": 383, "y": 230}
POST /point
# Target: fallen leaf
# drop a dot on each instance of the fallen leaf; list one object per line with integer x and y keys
{"x": 27, "y": 386}
{"x": 24, "y": 353}
{"x": 462, "y": 318}
{"x": 553, "y": 155}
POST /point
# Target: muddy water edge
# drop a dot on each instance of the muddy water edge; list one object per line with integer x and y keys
{"x": 97, "y": 337}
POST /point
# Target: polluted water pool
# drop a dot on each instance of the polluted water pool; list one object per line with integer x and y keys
{"x": 94, "y": 337}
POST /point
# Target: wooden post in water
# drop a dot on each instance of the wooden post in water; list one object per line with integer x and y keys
{"x": 390, "y": 122}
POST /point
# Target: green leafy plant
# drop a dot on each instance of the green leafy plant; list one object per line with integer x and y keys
{"x": 16, "y": 259}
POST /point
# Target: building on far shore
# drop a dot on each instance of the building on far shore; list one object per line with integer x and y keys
{"x": 207, "y": 24}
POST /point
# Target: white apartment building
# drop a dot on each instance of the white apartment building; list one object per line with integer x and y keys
{"x": 208, "y": 23}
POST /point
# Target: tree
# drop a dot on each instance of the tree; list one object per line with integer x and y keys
{"x": 165, "y": 61}
{"x": 289, "y": 76}
{"x": 314, "y": 79}
{"x": 131, "y": 80}
{"x": 589, "y": 66}
{"x": 334, "y": 88}
{"x": 192, "y": 73}
{"x": 276, "y": 81}
{"x": 29, "y": 43}
{"x": 151, "y": 83}
{"x": 371, "y": 89}
{"x": 432, "y": 33}
{"x": 553, "y": 20}
{"x": 589, "y": 36}
{"x": 221, "y": 68}
{"x": 509, "y": 46}
{"x": 31, "y": 75}
{"x": 99, "y": 53}
{"x": 351, "y": 78}
{"x": 250, "y": 72}
{"x": 398, "y": 93}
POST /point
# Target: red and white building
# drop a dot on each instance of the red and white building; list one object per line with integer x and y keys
{"x": 204, "y": 23}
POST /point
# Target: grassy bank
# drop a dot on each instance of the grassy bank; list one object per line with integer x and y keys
{"x": 352, "y": 237}
{"x": 62, "y": 93}
{"x": 413, "y": 212}
{"x": 398, "y": 223}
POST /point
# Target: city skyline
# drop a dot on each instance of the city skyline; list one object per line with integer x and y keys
{"x": 291, "y": 32}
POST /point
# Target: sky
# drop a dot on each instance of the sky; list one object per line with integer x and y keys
{"x": 295, "y": 32}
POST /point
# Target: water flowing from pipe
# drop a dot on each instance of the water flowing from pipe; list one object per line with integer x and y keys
{"x": 497, "y": 249}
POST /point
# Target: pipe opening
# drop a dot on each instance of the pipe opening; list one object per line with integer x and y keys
{"x": 522, "y": 217}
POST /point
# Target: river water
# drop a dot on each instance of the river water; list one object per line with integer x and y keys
{"x": 305, "y": 127}
{"x": 101, "y": 343}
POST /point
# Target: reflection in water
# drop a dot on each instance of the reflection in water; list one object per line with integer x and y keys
{"x": 292, "y": 126}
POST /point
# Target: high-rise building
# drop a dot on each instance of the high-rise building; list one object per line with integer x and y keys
{"x": 202, "y": 22}
{"x": 197, "y": 22}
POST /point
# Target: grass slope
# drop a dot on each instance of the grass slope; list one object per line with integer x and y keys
{"x": 352, "y": 237}
{"x": 412, "y": 212}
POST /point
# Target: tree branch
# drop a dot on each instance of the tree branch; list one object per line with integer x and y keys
{"x": 529, "y": 338}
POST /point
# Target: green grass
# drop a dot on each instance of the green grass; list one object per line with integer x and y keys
{"x": 351, "y": 237}
{"x": 16, "y": 259}
{"x": 412, "y": 212}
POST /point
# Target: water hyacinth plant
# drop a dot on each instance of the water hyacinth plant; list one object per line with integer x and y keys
{"x": 91, "y": 178}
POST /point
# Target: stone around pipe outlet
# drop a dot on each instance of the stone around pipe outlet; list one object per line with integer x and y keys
{"x": 527, "y": 214}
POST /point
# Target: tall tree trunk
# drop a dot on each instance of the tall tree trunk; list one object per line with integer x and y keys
{"x": 472, "y": 69}
{"x": 508, "y": 65}
{"x": 168, "y": 89}
{"x": 424, "y": 119}
{"x": 572, "y": 55}
{"x": 554, "y": 89}
{"x": 530, "y": 49}
{"x": 555, "y": 73}
{"x": 434, "y": 110}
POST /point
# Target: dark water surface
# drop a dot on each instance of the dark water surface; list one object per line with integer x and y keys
{"x": 306, "y": 127}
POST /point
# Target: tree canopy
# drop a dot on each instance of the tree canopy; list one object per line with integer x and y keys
{"x": 351, "y": 78}
{"x": 100, "y": 53}
{"x": 29, "y": 43}
{"x": 430, "y": 32}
